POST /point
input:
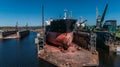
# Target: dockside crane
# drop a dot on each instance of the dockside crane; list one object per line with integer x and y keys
{"x": 107, "y": 30}
{"x": 100, "y": 19}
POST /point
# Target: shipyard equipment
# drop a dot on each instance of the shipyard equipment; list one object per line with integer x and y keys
{"x": 105, "y": 32}
{"x": 100, "y": 19}
{"x": 109, "y": 25}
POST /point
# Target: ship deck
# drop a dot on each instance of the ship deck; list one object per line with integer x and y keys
{"x": 73, "y": 57}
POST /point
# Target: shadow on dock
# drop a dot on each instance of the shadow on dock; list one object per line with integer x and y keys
{"x": 43, "y": 63}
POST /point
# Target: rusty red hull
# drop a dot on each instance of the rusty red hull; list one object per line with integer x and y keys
{"x": 60, "y": 39}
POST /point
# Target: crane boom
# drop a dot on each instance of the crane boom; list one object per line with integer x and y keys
{"x": 103, "y": 15}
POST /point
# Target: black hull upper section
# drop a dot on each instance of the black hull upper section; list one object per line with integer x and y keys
{"x": 62, "y": 25}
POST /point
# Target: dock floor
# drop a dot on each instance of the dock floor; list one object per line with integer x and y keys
{"x": 73, "y": 57}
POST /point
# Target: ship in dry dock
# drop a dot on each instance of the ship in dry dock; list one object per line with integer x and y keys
{"x": 65, "y": 47}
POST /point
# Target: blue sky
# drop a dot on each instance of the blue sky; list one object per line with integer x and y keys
{"x": 29, "y": 11}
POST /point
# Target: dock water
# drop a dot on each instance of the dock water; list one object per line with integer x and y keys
{"x": 19, "y": 52}
{"x": 16, "y": 53}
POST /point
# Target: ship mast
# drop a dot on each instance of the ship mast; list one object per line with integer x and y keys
{"x": 65, "y": 16}
{"x": 26, "y": 26}
{"x": 70, "y": 14}
{"x": 81, "y": 19}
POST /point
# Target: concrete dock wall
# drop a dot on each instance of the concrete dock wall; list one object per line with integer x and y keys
{"x": 1, "y": 35}
{"x": 6, "y": 33}
{"x": 82, "y": 39}
{"x": 14, "y": 34}
{"x": 21, "y": 34}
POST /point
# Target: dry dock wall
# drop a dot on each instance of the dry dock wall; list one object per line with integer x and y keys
{"x": 1, "y": 35}
{"x": 6, "y": 33}
{"x": 13, "y": 34}
{"x": 21, "y": 34}
{"x": 82, "y": 39}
